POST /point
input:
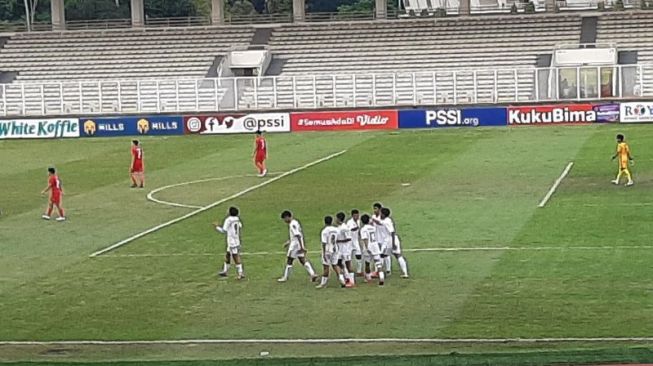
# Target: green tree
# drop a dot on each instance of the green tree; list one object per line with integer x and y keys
{"x": 242, "y": 7}
{"x": 278, "y": 6}
{"x": 8, "y": 9}
{"x": 96, "y": 9}
{"x": 170, "y": 8}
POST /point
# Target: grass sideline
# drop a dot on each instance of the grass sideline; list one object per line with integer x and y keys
{"x": 468, "y": 188}
{"x": 580, "y": 356}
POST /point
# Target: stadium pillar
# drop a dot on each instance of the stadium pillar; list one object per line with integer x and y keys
{"x": 550, "y": 6}
{"x": 465, "y": 7}
{"x": 138, "y": 14}
{"x": 298, "y": 10}
{"x": 381, "y": 9}
{"x": 217, "y": 12}
{"x": 58, "y": 15}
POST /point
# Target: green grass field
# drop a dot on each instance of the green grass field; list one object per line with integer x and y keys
{"x": 580, "y": 267}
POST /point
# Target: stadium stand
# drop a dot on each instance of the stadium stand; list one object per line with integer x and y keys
{"x": 631, "y": 32}
{"x": 396, "y": 49}
{"x": 88, "y": 57}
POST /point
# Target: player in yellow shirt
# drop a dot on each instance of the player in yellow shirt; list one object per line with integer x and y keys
{"x": 623, "y": 152}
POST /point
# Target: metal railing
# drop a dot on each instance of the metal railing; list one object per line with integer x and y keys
{"x": 439, "y": 87}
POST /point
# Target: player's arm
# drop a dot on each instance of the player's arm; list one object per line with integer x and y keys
{"x": 220, "y": 228}
{"x": 46, "y": 189}
{"x": 301, "y": 242}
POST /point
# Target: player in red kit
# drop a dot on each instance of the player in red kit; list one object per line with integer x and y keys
{"x": 56, "y": 191}
{"x": 260, "y": 153}
{"x": 137, "y": 168}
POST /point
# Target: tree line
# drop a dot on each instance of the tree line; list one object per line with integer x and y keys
{"x": 14, "y": 10}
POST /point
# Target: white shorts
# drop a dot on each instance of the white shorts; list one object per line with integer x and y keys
{"x": 389, "y": 250}
{"x": 294, "y": 251}
{"x": 357, "y": 248}
{"x": 329, "y": 259}
{"x": 234, "y": 250}
{"x": 344, "y": 252}
{"x": 373, "y": 253}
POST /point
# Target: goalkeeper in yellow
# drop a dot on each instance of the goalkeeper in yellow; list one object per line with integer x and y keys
{"x": 623, "y": 153}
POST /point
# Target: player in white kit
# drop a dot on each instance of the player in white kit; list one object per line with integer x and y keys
{"x": 345, "y": 248}
{"x": 354, "y": 226}
{"x": 232, "y": 229}
{"x": 371, "y": 250}
{"x": 378, "y": 225}
{"x": 329, "y": 238}
{"x": 391, "y": 243}
{"x": 296, "y": 248}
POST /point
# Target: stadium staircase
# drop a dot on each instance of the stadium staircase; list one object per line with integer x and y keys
{"x": 406, "y": 46}
{"x": 632, "y": 32}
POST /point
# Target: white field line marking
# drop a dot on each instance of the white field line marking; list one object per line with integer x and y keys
{"x": 415, "y": 250}
{"x": 333, "y": 341}
{"x": 150, "y": 196}
{"x": 555, "y": 185}
{"x": 214, "y": 204}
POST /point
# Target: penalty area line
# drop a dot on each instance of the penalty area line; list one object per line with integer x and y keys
{"x": 212, "y": 205}
{"x": 555, "y": 185}
{"x": 331, "y": 341}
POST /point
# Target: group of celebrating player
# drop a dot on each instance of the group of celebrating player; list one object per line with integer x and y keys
{"x": 370, "y": 240}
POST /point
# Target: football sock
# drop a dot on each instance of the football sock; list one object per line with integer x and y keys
{"x": 49, "y": 211}
{"x": 359, "y": 266}
{"x": 309, "y": 268}
{"x": 324, "y": 281}
{"x": 381, "y": 276}
{"x": 239, "y": 268}
{"x": 225, "y": 267}
{"x": 286, "y": 272}
{"x": 341, "y": 278}
{"x": 388, "y": 264}
{"x": 352, "y": 278}
{"x": 62, "y": 214}
{"x": 619, "y": 175}
{"x": 345, "y": 271}
{"x": 403, "y": 265}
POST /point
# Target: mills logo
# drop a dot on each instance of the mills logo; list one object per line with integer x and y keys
{"x": 577, "y": 114}
{"x": 143, "y": 126}
{"x": 90, "y": 128}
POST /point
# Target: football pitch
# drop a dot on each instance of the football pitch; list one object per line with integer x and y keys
{"x": 487, "y": 265}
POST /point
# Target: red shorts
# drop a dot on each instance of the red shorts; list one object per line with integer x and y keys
{"x": 260, "y": 157}
{"x": 137, "y": 167}
{"x": 55, "y": 198}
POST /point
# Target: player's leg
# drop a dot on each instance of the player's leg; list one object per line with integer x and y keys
{"x": 626, "y": 172}
{"x": 288, "y": 268}
{"x": 351, "y": 276}
{"x": 264, "y": 169}
{"x": 378, "y": 262}
{"x": 48, "y": 211}
{"x": 619, "y": 173}
{"x": 309, "y": 268}
{"x": 141, "y": 176}
{"x": 388, "y": 259}
{"x": 396, "y": 251}
{"x": 226, "y": 264}
{"x": 60, "y": 211}
{"x": 132, "y": 175}
{"x": 239, "y": 263}
{"x": 325, "y": 274}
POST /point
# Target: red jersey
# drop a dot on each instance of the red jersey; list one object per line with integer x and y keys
{"x": 137, "y": 153}
{"x": 261, "y": 145}
{"x": 55, "y": 185}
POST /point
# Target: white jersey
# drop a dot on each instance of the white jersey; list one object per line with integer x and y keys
{"x": 232, "y": 227}
{"x": 296, "y": 234}
{"x": 329, "y": 237}
{"x": 354, "y": 228}
{"x": 368, "y": 233}
{"x": 387, "y": 228}
{"x": 378, "y": 226}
